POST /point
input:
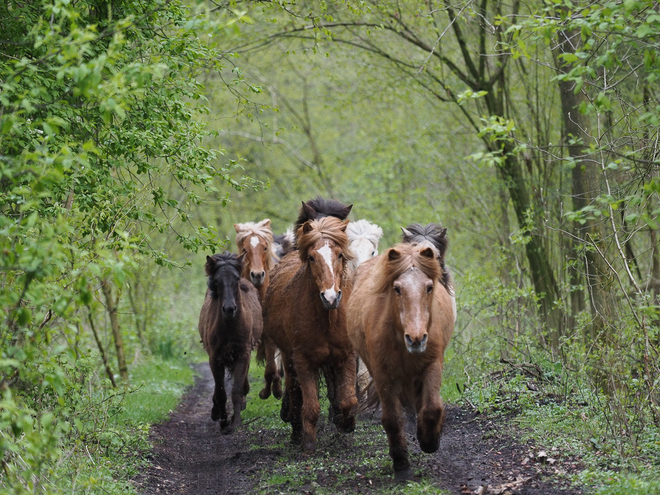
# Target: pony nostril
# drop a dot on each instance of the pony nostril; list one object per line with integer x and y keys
{"x": 409, "y": 341}
{"x": 424, "y": 339}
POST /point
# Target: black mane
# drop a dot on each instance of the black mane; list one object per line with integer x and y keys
{"x": 218, "y": 261}
{"x": 283, "y": 245}
{"x": 320, "y": 207}
{"x": 436, "y": 235}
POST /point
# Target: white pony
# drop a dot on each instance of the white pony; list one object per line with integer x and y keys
{"x": 363, "y": 236}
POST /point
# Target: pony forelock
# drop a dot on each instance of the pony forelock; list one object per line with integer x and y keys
{"x": 388, "y": 270}
{"x": 247, "y": 229}
{"x": 330, "y": 228}
{"x": 363, "y": 229}
{"x": 432, "y": 233}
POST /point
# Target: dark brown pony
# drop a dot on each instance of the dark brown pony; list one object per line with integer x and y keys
{"x": 255, "y": 242}
{"x": 400, "y": 321}
{"x": 230, "y": 325}
{"x": 304, "y": 314}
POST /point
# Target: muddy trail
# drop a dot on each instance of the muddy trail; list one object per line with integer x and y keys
{"x": 191, "y": 456}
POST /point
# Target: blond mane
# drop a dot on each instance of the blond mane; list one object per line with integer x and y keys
{"x": 387, "y": 271}
{"x": 261, "y": 229}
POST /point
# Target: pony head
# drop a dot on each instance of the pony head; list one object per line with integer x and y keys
{"x": 409, "y": 277}
{"x": 324, "y": 250}
{"x": 363, "y": 236}
{"x": 223, "y": 280}
{"x": 254, "y": 241}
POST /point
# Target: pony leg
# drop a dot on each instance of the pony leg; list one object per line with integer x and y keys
{"x": 272, "y": 376}
{"x": 392, "y": 422}
{"x": 285, "y": 410}
{"x": 237, "y": 396}
{"x": 430, "y": 410}
{"x": 311, "y": 409}
{"x": 346, "y": 399}
{"x": 295, "y": 406}
{"x": 219, "y": 411}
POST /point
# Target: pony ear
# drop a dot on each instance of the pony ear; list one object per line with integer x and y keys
{"x": 264, "y": 223}
{"x": 310, "y": 212}
{"x": 406, "y": 233}
{"x": 344, "y": 224}
{"x": 393, "y": 254}
{"x": 209, "y": 267}
{"x": 427, "y": 252}
{"x": 307, "y": 227}
{"x": 443, "y": 232}
{"x": 237, "y": 227}
{"x": 348, "y": 209}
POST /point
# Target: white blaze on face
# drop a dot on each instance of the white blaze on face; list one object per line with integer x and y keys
{"x": 254, "y": 241}
{"x": 325, "y": 252}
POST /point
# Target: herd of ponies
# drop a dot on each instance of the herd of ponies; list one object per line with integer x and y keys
{"x": 315, "y": 299}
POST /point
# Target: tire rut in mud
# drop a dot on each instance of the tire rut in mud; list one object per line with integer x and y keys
{"x": 191, "y": 456}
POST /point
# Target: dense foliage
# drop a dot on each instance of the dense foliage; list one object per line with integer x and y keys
{"x": 102, "y": 159}
{"x": 529, "y": 128}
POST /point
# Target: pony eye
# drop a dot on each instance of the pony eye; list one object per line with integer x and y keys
{"x": 397, "y": 289}
{"x": 341, "y": 256}
{"x": 311, "y": 258}
{"x": 429, "y": 289}
{"x": 374, "y": 253}
{"x": 265, "y": 249}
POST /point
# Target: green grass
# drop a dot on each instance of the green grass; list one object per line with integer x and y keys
{"x": 112, "y": 433}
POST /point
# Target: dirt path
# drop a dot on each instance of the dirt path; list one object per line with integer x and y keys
{"x": 191, "y": 457}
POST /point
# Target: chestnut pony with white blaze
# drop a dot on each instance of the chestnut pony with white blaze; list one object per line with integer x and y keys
{"x": 400, "y": 321}
{"x": 255, "y": 242}
{"x": 305, "y": 316}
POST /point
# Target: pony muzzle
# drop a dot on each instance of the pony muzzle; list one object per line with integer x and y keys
{"x": 229, "y": 311}
{"x": 416, "y": 346}
{"x": 257, "y": 278}
{"x": 330, "y": 298}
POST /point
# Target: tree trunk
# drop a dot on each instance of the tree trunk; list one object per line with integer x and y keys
{"x": 111, "y": 306}
{"x": 586, "y": 177}
{"x": 104, "y": 357}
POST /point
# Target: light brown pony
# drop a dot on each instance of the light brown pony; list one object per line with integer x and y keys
{"x": 255, "y": 243}
{"x": 305, "y": 315}
{"x": 230, "y": 325}
{"x": 400, "y": 321}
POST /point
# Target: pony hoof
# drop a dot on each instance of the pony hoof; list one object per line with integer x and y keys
{"x": 264, "y": 394}
{"x": 404, "y": 475}
{"x": 223, "y": 424}
{"x": 228, "y": 430}
{"x": 215, "y": 415}
{"x": 277, "y": 394}
{"x": 309, "y": 447}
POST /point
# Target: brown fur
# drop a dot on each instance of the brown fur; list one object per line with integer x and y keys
{"x": 229, "y": 341}
{"x": 260, "y": 259}
{"x": 312, "y": 339}
{"x": 376, "y": 329}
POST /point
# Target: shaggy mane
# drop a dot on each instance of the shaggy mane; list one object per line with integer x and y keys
{"x": 363, "y": 229}
{"x": 323, "y": 208}
{"x": 432, "y": 233}
{"x": 325, "y": 228}
{"x": 245, "y": 230}
{"x": 387, "y": 271}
